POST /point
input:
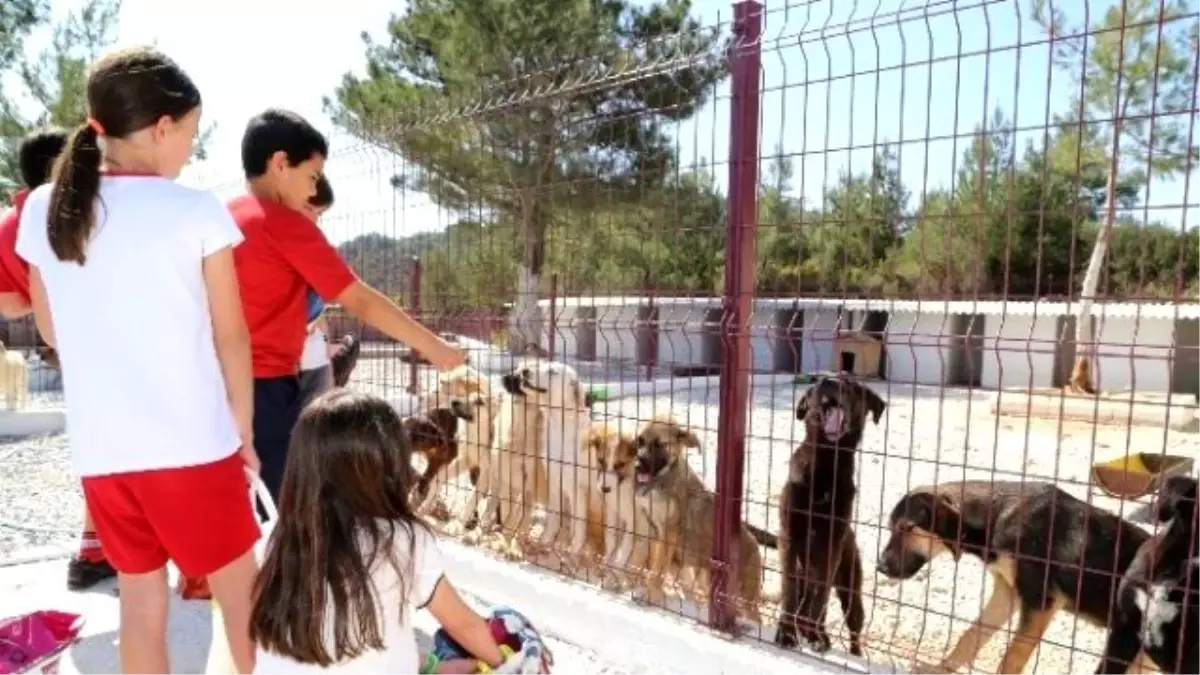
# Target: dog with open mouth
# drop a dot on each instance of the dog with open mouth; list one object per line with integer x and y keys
{"x": 555, "y": 391}
{"x": 1157, "y": 601}
{"x": 680, "y": 511}
{"x": 818, "y": 551}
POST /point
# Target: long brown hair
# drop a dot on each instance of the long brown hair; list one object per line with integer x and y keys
{"x": 345, "y": 499}
{"x": 127, "y": 91}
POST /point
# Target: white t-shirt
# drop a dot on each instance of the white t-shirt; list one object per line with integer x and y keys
{"x": 141, "y": 380}
{"x": 316, "y": 351}
{"x": 399, "y": 654}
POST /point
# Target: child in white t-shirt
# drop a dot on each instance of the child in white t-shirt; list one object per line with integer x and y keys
{"x": 350, "y": 562}
{"x": 316, "y": 371}
{"x": 132, "y": 280}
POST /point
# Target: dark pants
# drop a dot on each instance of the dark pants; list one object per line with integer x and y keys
{"x": 276, "y": 407}
{"x": 313, "y": 383}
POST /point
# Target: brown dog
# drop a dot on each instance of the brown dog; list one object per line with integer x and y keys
{"x": 817, "y": 548}
{"x": 434, "y": 434}
{"x": 1046, "y": 551}
{"x": 680, "y": 511}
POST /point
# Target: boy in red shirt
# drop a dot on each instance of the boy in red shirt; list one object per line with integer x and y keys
{"x": 283, "y": 255}
{"x": 36, "y": 154}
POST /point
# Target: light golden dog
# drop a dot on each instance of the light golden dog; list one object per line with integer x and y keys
{"x": 680, "y": 511}
{"x": 618, "y": 530}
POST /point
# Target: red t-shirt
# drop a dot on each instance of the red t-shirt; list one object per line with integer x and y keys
{"x": 283, "y": 255}
{"x": 14, "y": 271}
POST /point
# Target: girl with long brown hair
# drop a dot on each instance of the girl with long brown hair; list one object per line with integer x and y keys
{"x": 350, "y": 561}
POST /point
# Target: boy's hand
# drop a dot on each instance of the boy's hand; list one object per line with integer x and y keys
{"x": 446, "y": 356}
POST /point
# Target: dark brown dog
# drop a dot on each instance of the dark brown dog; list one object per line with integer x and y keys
{"x": 1046, "y": 550}
{"x": 1157, "y": 602}
{"x": 817, "y": 548}
{"x": 434, "y": 434}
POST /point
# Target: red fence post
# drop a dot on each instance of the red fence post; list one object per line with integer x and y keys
{"x": 745, "y": 56}
{"x": 415, "y": 310}
{"x": 553, "y": 323}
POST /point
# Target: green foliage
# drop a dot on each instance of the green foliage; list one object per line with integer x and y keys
{"x": 551, "y": 151}
{"x": 1012, "y": 225}
{"x": 53, "y": 82}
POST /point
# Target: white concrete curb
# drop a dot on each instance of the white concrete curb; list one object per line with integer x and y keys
{"x": 32, "y": 422}
{"x": 589, "y": 618}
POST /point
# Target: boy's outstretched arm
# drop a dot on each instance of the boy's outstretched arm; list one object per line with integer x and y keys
{"x": 375, "y": 309}
{"x": 306, "y": 248}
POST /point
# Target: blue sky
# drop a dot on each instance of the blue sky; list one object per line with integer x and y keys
{"x": 831, "y": 82}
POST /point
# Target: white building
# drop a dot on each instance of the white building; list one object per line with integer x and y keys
{"x": 1147, "y": 347}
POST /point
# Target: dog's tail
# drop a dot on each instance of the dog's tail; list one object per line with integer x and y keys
{"x": 345, "y": 359}
{"x": 763, "y": 537}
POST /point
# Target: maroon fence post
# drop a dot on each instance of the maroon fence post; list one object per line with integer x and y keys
{"x": 415, "y": 310}
{"x": 553, "y": 323}
{"x": 740, "y": 271}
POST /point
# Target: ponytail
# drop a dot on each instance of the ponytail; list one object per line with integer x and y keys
{"x": 73, "y": 201}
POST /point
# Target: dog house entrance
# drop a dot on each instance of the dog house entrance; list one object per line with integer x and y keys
{"x": 847, "y": 362}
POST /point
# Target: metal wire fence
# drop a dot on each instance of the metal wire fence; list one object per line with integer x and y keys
{"x": 983, "y": 212}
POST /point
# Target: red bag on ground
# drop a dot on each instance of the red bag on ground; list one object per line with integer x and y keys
{"x": 34, "y": 642}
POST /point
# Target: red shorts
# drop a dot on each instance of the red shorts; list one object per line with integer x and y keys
{"x": 200, "y": 517}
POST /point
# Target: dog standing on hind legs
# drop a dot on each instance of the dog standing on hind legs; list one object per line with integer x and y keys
{"x": 680, "y": 511}
{"x": 554, "y": 390}
{"x": 818, "y": 551}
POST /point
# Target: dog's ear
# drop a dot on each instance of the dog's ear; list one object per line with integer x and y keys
{"x": 938, "y": 514}
{"x": 875, "y": 404}
{"x": 422, "y": 431}
{"x": 686, "y": 437}
{"x": 802, "y": 404}
{"x": 446, "y": 421}
{"x": 1177, "y": 498}
{"x": 581, "y": 397}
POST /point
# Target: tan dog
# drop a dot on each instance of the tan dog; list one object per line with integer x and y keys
{"x": 554, "y": 390}
{"x": 680, "y": 510}
{"x": 475, "y": 437}
{"x": 14, "y": 377}
{"x": 623, "y": 539}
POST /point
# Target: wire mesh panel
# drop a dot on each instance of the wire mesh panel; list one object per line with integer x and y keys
{"x": 869, "y": 330}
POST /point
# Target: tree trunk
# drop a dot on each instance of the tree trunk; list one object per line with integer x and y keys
{"x": 525, "y": 322}
{"x": 1085, "y": 349}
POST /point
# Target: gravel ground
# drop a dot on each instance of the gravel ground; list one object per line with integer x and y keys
{"x": 927, "y": 435}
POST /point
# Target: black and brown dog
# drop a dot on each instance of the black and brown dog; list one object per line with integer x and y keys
{"x": 1046, "y": 551}
{"x": 434, "y": 434}
{"x": 1157, "y": 602}
{"x": 818, "y": 551}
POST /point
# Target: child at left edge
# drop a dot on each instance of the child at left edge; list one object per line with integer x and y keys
{"x": 36, "y": 154}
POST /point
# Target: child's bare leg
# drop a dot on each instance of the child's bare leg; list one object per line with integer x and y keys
{"x": 143, "y": 633}
{"x": 232, "y": 588}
